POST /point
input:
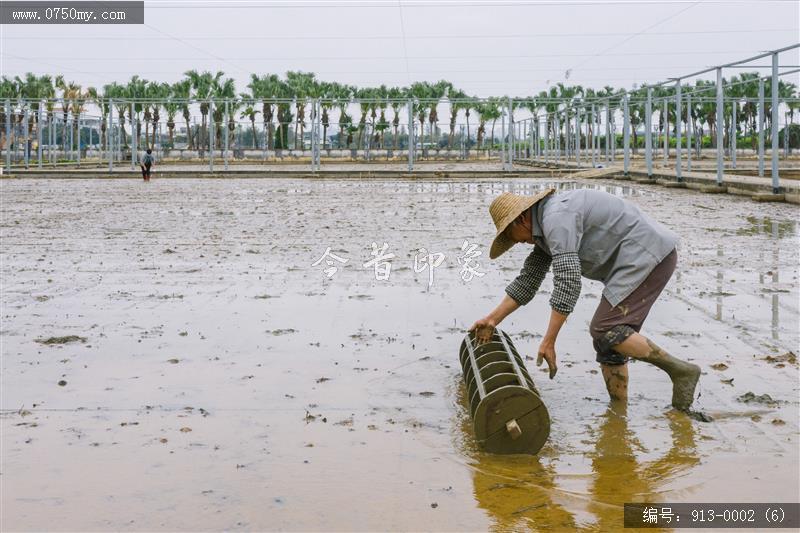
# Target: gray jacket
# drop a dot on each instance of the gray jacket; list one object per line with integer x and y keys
{"x": 594, "y": 234}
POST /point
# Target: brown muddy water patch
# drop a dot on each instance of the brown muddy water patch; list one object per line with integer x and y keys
{"x": 333, "y": 402}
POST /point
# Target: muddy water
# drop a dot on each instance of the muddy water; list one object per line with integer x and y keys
{"x": 226, "y": 383}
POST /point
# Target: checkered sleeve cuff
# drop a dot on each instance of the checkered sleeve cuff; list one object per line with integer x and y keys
{"x": 566, "y": 282}
{"x": 525, "y": 285}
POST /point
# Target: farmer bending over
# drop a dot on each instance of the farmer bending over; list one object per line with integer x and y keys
{"x": 604, "y": 238}
{"x": 147, "y": 162}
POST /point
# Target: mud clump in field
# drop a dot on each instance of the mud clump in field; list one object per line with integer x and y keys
{"x": 781, "y": 360}
{"x": 51, "y": 341}
{"x": 749, "y": 397}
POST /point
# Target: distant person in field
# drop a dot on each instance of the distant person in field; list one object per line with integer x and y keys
{"x": 599, "y": 236}
{"x": 147, "y": 162}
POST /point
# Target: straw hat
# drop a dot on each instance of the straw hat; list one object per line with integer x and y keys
{"x": 504, "y": 209}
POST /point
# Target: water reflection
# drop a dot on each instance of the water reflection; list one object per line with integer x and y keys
{"x": 490, "y": 188}
{"x": 776, "y": 229}
{"x": 619, "y": 477}
{"x": 518, "y": 492}
{"x": 523, "y": 493}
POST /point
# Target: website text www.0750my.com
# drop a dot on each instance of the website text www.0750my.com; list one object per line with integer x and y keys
{"x": 77, "y": 12}
{"x": 66, "y": 14}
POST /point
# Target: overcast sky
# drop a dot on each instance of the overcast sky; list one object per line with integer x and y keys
{"x": 514, "y": 47}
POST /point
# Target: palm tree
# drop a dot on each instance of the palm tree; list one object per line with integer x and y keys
{"x": 363, "y": 95}
{"x": 233, "y": 106}
{"x": 421, "y": 91}
{"x": 283, "y": 92}
{"x": 67, "y": 89}
{"x": 470, "y": 105}
{"x": 31, "y": 91}
{"x": 303, "y": 86}
{"x": 116, "y": 92}
{"x": 172, "y": 105}
{"x": 265, "y": 88}
{"x": 382, "y": 93}
{"x": 250, "y": 113}
{"x": 636, "y": 113}
{"x": 438, "y": 91}
{"x": 202, "y": 86}
{"x": 480, "y": 108}
{"x": 74, "y": 98}
{"x": 327, "y": 91}
{"x": 455, "y": 106}
{"x": 156, "y": 93}
{"x": 9, "y": 90}
{"x": 222, "y": 91}
{"x": 341, "y": 98}
{"x": 136, "y": 90}
{"x": 492, "y": 112}
{"x": 181, "y": 93}
{"x": 396, "y": 94}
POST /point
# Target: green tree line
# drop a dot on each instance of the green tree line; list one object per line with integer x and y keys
{"x": 283, "y": 101}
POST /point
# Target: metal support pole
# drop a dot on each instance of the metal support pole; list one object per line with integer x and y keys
{"x": 720, "y": 127}
{"x": 264, "y": 146}
{"x": 211, "y": 131}
{"x": 502, "y": 138}
{"x": 71, "y": 135}
{"x": 557, "y": 140}
{"x": 608, "y": 132}
{"x": 25, "y": 133}
{"x": 678, "y": 147}
{"x": 109, "y": 136}
{"x": 648, "y": 132}
{"x": 597, "y": 134}
{"x": 318, "y": 135}
{"x": 665, "y": 125}
{"x": 786, "y": 135}
{"x": 531, "y": 137}
{"x": 8, "y": 136}
{"x": 547, "y": 123}
{"x": 410, "y": 136}
{"x": 510, "y": 135}
{"x": 626, "y": 140}
{"x": 313, "y": 135}
{"x": 568, "y": 136}
{"x": 225, "y": 131}
{"x": 761, "y": 127}
{"x": 774, "y": 95}
{"x": 39, "y": 132}
{"x": 78, "y": 142}
{"x": 689, "y": 124}
{"x": 588, "y": 145}
{"x": 734, "y": 105}
{"x": 578, "y": 137}
{"x": 613, "y": 120}
{"x": 134, "y": 139}
{"x": 119, "y": 135}
{"x": 593, "y": 120}
{"x": 52, "y": 138}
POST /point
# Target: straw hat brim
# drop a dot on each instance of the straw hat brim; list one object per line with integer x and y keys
{"x": 502, "y": 243}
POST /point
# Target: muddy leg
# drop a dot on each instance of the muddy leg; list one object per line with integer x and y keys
{"x": 684, "y": 375}
{"x": 616, "y": 378}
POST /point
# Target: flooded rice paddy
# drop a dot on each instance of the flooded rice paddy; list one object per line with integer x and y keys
{"x": 175, "y": 356}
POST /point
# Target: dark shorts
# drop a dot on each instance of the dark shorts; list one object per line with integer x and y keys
{"x": 612, "y": 325}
